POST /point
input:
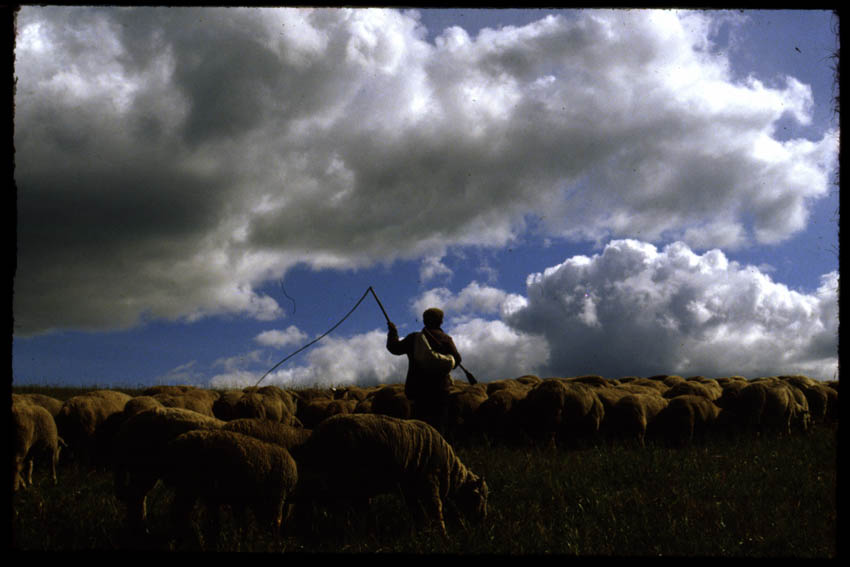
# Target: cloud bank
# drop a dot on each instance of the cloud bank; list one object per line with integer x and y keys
{"x": 631, "y": 310}
{"x": 171, "y": 160}
{"x": 637, "y": 310}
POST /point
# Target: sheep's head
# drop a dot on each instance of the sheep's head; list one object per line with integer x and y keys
{"x": 472, "y": 498}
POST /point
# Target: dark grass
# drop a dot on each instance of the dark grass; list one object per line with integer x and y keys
{"x": 742, "y": 497}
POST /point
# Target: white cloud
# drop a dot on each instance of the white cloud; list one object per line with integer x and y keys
{"x": 631, "y": 310}
{"x": 206, "y": 151}
{"x": 433, "y": 267}
{"x": 491, "y": 350}
{"x": 360, "y": 359}
{"x": 474, "y": 299}
{"x": 635, "y": 310}
{"x": 292, "y": 335}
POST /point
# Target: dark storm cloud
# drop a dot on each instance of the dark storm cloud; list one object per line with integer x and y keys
{"x": 170, "y": 160}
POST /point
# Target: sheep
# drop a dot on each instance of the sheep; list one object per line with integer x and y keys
{"x": 497, "y": 415}
{"x": 817, "y": 395}
{"x": 645, "y": 385}
{"x": 630, "y": 416}
{"x": 562, "y": 412}
{"x": 357, "y": 456}
{"x": 80, "y": 417}
{"x": 140, "y": 404}
{"x": 686, "y": 418}
{"x": 800, "y": 415}
{"x": 529, "y": 379}
{"x": 221, "y": 467}
{"x": 49, "y": 403}
{"x": 510, "y": 384}
{"x": 391, "y": 400}
{"x": 610, "y": 396}
{"x": 137, "y": 454}
{"x": 591, "y": 380}
{"x": 713, "y": 386}
{"x": 461, "y": 407}
{"x": 312, "y": 413}
{"x": 261, "y": 406}
{"x": 34, "y": 434}
{"x": 194, "y": 399}
{"x": 289, "y": 437}
{"x": 285, "y": 397}
{"x": 268, "y": 402}
{"x": 693, "y": 388}
{"x": 765, "y": 405}
{"x": 363, "y": 406}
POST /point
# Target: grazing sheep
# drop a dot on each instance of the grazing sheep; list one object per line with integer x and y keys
{"x": 508, "y": 384}
{"x": 816, "y": 393}
{"x": 49, "y": 403}
{"x": 290, "y": 438}
{"x": 693, "y": 388}
{"x": 630, "y": 416}
{"x": 222, "y": 467}
{"x": 713, "y": 386}
{"x": 140, "y": 404}
{"x": 137, "y": 454}
{"x": 357, "y": 456}
{"x": 800, "y": 414}
{"x": 259, "y": 406}
{"x": 541, "y": 411}
{"x": 529, "y": 379}
{"x": 315, "y": 411}
{"x": 610, "y": 396}
{"x": 765, "y": 405}
{"x": 289, "y": 403}
{"x": 34, "y": 435}
{"x": 831, "y": 391}
{"x": 391, "y": 400}
{"x": 591, "y": 380}
{"x": 224, "y": 407}
{"x": 461, "y": 407}
{"x": 564, "y": 412}
{"x": 269, "y": 402}
{"x": 363, "y": 406}
{"x": 685, "y": 419}
{"x": 194, "y": 399}
{"x": 80, "y": 417}
{"x": 645, "y": 385}
{"x": 497, "y": 416}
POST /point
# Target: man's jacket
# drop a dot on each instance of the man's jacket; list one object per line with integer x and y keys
{"x": 418, "y": 383}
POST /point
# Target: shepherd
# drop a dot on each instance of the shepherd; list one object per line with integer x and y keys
{"x": 431, "y": 355}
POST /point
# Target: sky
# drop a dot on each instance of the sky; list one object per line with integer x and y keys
{"x": 203, "y": 191}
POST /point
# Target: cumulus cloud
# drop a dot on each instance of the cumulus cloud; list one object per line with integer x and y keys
{"x": 492, "y": 350}
{"x": 361, "y": 359}
{"x": 474, "y": 299}
{"x": 636, "y": 310}
{"x": 433, "y": 267}
{"x": 171, "y": 160}
{"x": 292, "y": 335}
{"x": 632, "y": 309}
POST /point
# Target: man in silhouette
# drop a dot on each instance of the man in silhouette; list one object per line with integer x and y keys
{"x": 426, "y": 388}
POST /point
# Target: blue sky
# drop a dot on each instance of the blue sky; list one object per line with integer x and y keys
{"x": 202, "y": 191}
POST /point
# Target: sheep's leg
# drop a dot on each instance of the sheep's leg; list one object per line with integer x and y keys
{"x": 53, "y": 464}
{"x": 18, "y": 480}
{"x": 29, "y": 470}
{"x": 434, "y": 506}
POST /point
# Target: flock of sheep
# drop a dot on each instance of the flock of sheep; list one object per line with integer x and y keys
{"x": 268, "y": 449}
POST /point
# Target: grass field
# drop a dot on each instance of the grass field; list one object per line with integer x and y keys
{"x": 743, "y": 497}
